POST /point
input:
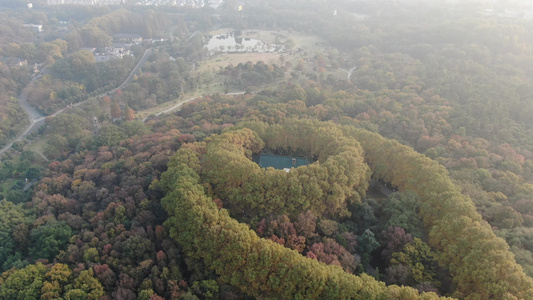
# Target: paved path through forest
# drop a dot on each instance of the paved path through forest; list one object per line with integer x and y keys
{"x": 179, "y": 104}
{"x": 37, "y": 119}
{"x": 34, "y": 115}
{"x": 349, "y": 72}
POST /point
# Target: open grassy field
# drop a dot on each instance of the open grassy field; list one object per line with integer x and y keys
{"x": 304, "y": 46}
{"x": 222, "y": 60}
{"x": 307, "y": 43}
{"x": 143, "y": 114}
{"x": 272, "y": 36}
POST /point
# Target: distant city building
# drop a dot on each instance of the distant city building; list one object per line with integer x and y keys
{"x": 85, "y": 2}
{"x": 127, "y": 38}
{"x": 189, "y": 3}
{"x": 215, "y": 3}
{"x": 108, "y": 53}
{"x": 156, "y": 40}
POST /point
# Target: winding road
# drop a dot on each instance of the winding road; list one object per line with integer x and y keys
{"x": 350, "y": 72}
{"x": 37, "y": 119}
{"x": 178, "y": 105}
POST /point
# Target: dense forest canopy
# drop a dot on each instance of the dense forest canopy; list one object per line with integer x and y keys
{"x": 416, "y": 117}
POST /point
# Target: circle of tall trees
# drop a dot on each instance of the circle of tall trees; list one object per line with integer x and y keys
{"x": 480, "y": 263}
{"x": 338, "y": 177}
